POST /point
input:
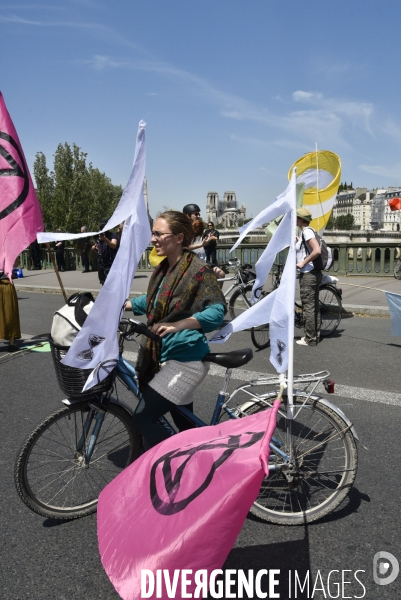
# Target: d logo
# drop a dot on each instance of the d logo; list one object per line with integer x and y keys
{"x": 15, "y": 170}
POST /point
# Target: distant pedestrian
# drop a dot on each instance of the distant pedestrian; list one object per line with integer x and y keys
{"x": 60, "y": 253}
{"x": 10, "y": 329}
{"x": 308, "y": 249}
{"x": 119, "y": 234}
{"x": 83, "y": 245}
{"x": 106, "y": 245}
{"x": 35, "y": 256}
{"x": 211, "y": 237}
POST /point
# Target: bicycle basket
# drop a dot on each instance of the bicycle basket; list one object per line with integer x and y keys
{"x": 71, "y": 380}
{"x": 248, "y": 273}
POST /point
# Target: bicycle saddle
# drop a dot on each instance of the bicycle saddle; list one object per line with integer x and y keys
{"x": 230, "y": 360}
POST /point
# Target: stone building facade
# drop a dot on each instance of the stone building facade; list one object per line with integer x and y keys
{"x": 356, "y": 202}
{"x": 224, "y": 212}
{"x": 369, "y": 208}
{"x": 383, "y": 218}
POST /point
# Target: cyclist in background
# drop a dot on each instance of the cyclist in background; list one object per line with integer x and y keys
{"x": 308, "y": 248}
{"x": 192, "y": 211}
{"x": 183, "y": 302}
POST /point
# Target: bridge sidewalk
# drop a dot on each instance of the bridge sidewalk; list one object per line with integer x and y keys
{"x": 358, "y": 295}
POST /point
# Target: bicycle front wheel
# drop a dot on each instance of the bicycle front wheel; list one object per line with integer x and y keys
{"x": 261, "y": 336}
{"x": 397, "y": 269}
{"x": 240, "y": 301}
{"x": 330, "y": 309}
{"x": 320, "y": 471}
{"x": 52, "y": 475}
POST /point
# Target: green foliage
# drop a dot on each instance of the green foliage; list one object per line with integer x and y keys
{"x": 345, "y": 222}
{"x": 343, "y": 187}
{"x": 74, "y": 193}
{"x": 330, "y": 223}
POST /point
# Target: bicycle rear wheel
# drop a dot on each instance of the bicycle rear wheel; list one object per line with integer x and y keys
{"x": 240, "y": 301}
{"x": 51, "y": 476}
{"x": 322, "y": 468}
{"x": 397, "y": 269}
{"x": 330, "y": 309}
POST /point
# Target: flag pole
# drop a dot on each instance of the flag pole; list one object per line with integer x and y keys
{"x": 56, "y": 271}
{"x": 317, "y": 184}
{"x": 290, "y": 371}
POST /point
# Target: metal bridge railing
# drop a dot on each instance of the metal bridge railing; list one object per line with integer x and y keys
{"x": 350, "y": 258}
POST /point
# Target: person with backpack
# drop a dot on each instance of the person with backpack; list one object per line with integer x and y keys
{"x": 310, "y": 276}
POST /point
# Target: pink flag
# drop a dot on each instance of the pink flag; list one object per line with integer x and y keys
{"x": 181, "y": 506}
{"x": 20, "y": 213}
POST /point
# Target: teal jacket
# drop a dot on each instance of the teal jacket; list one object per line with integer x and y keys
{"x": 188, "y": 344}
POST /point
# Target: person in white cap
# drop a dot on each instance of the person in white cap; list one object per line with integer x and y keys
{"x": 308, "y": 249}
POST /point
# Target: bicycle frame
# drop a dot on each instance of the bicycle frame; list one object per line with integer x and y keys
{"x": 127, "y": 374}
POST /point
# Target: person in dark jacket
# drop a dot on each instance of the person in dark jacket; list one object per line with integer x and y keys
{"x": 106, "y": 245}
{"x": 60, "y": 253}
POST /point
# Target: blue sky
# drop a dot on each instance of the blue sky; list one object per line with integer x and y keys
{"x": 233, "y": 92}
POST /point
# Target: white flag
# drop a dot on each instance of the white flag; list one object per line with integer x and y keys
{"x": 281, "y": 206}
{"x": 96, "y": 345}
{"x": 276, "y": 308}
{"x": 280, "y": 240}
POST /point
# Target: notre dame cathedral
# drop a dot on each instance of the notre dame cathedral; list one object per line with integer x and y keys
{"x": 224, "y": 212}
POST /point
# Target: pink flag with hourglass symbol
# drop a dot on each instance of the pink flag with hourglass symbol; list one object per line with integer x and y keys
{"x": 182, "y": 504}
{"x": 20, "y": 213}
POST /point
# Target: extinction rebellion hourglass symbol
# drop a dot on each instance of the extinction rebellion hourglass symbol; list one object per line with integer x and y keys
{"x": 281, "y": 347}
{"x": 93, "y": 341}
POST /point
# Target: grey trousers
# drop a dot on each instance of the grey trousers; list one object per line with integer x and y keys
{"x": 309, "y": 288}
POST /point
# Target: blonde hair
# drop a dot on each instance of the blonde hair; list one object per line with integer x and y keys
{"x": 179, "y": 223}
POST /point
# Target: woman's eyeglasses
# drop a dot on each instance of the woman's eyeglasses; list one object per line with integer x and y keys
{"x": 158, "y": 234}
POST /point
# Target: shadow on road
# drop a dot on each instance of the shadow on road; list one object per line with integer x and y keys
{"x": 288, "y": 557}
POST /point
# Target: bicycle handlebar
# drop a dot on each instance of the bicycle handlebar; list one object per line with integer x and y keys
{"x": 139, "y": 328}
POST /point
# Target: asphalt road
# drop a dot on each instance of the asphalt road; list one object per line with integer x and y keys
{"x": 43, "y": 559}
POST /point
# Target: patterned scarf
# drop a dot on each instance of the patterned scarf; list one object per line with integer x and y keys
{"x": 188, "y": 287}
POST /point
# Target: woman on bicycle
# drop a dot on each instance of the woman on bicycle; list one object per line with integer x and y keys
{"x": 183, "y": 302}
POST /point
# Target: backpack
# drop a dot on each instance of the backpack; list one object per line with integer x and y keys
{"x": 325, "y": 260}
{"x": 67, "y": 321}
{"x": 248, "y": 273}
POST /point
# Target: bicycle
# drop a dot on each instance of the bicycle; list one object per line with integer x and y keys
{"x": 243, "y": 276}
{"x": 330, "y": 309}
{"x": 397, "y": 267}
{"x": 75, "y": 452}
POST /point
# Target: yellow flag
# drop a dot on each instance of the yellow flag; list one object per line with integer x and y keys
{"x": 321, "y": 173}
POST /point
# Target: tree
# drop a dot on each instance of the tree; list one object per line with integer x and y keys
{"x": 73, "y": 194}
{"x": 44, "y": 188}
{"x": 344, "y": 186}
{"x": 330, "y": 222}
{"x": 345, "y": 222}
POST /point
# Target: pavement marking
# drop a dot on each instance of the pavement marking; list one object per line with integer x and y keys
{"x": 345, "y": 391}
